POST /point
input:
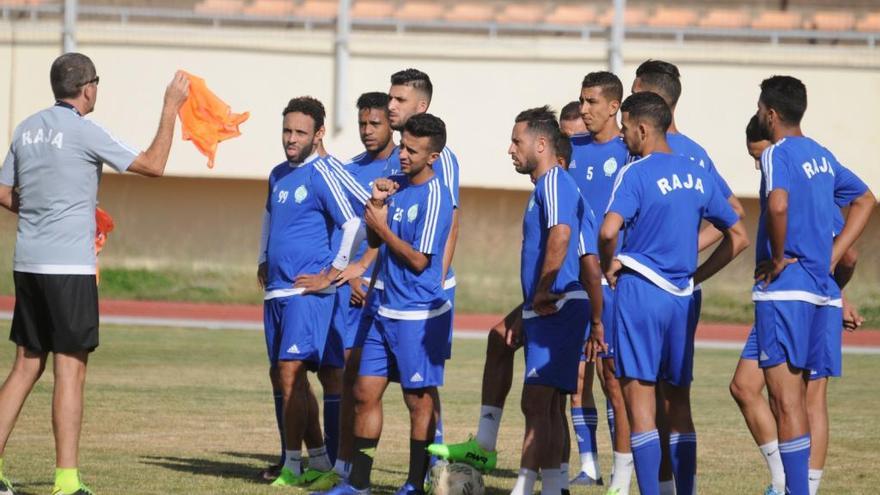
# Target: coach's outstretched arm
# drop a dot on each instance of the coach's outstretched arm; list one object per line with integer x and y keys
{"x": 734, "y": 240}
{"x": 151, "y": 163}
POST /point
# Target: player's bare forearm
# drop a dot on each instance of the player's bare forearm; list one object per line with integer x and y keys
{"x": 9, "y": 198}
{"x": 554, "y": 254}
{"x": 373, "y": 239}
{"x": 734, "y": 241}
{"x": 777, "y": 223}
{"x": 451, "y": 241}
{"x": 846, "y": 267}
{"x": 591, "y": 279}
{"x": 608, "y": 239}
{"x": 151, "y": 163}
{"x": 414, "y": 260}
{"x": 709, "y": 235}
{"x": 856, "y": 220}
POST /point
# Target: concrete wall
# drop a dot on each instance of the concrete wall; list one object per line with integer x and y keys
{"x": 481, "y": 83}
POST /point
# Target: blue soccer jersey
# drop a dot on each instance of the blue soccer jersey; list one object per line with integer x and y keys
{"x": 588, "y": 236}
{"x": 687, "y": 147}
{"x": 594, "y": 167}
{"x": 555, "y": 200}
{"x": 420, "y": 215}
{"x": 817, "y": 186}
{"x": 305, "y": 204}
{"x": 662, "y": 199}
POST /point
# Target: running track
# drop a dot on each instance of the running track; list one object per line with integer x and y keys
{"x": 237, "y": 316}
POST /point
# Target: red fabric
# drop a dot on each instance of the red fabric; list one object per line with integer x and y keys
{"x": 206, "y": 119}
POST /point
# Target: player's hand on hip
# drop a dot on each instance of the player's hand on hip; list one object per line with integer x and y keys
{"x": 544, "y": 303}
{"x": 596, "y": 342}
{"x": 513, "y": 335}
{"x": 262, "y": 274}
{"x": 358, "y": 293}
{"x": 376, "y": 217}
{"x": 177, "y": 91}
{"x": 313, "y": 283}
{"x": 769, "y": 270}
{"x": 613, "y": 270}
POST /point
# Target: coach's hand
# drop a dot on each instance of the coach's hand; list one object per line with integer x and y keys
{"x": 262, "y": 274}
{"x": 358, "y": 292}
{"x": 596, "y": 342}
{"x": 177, "y": 91}
{"x": 611, "y": 273}
{"x": 544, "y": 303}
{"x": 314, "y": 283}
{"x": 851, "y": 317}
{"x": 768, "y": 270}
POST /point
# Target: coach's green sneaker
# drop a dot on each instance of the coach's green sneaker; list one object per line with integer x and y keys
{"x": 322, "y": 480}
{"x": 468, "y": 452}
{"x": 287, "y": 478}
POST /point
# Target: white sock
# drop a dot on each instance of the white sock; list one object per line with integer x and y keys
{"x": 563, "y": 470}
{"x": 293, "y": 461}
{"x": 487, "y": 431}
{"x": 551, "y": 482}
{"x": 318, "y": 459}
{"x": 342, "y": 468}
{"x": 770, "y": 452}
{"x": 525, "y": 482}
{"x": 590, "y": 465}
{"x": 623, "y": 471}
{"x": 667, "y": 487}
{"x": 815, "y": 479}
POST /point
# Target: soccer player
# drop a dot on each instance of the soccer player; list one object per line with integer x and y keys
{"x": 597, "y": 158}
{"x": 802, "y": 186}
{"x": 654, "y": 274}
{"x": 50, "y": 180}
{"x": 570, "y": 121}
{"x": 408, "y": 338}
{"x": 555, "y": 309}
{"x": 664, "y": 79}
{"x": 747, "y": 385}
{"x": 298, "y": 272}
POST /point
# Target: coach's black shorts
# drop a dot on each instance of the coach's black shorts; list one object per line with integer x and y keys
{"x": 55, "y": 313}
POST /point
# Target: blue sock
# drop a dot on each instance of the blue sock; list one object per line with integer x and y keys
{"x": 683, "y": 454}
{"x": 592, "y": 419}
{"x": 646, "y": 455}
{"x": 795, "y": 455}
{"x": 331, "y": 425}
{"x": 585, "y": 421}
{"x": 279, "y": 420}
{"x": 609, "y": 411}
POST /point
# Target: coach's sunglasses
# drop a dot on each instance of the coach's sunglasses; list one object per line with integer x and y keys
{"x": 96, "y": 80}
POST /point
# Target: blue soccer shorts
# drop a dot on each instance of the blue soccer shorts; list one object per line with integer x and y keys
{"x": 297, "y": 328}
{"x": 831, "y": 319}
{"x": 365, "y": 318}
{"x": 553, "y": 344}
{"x": 653, "y": 332}
{"x": 790, "y": 331}
{"x": 411, "y": 352}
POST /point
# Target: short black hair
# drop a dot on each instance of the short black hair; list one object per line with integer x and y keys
{"x": 309, "y": 106}
{"x": 373, "y": 100}
{"x": 541, "y": 121}
{"x": 563, "y": 149}
{"x": 611, "y": 86}
{"x": 571, "y": 111}
{"x": 663, "y": 78}
{"x": 787, "y": 95}
{"x": 754, "y": 132}
{"x": 650, "y": 107}
{"x": 69, "y": 73}
{"x": 414, "y": 78}
{"x": 429, "y": 126}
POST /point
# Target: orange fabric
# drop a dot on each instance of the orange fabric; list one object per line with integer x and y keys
{"x": 103, "y": 226}
{"x": 206, "y": 119}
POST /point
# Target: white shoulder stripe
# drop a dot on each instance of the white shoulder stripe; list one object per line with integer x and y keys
{"x": 114, "y": 138}
{"x": 618, "y": 180}
{"x": 432, "y": 213}
{"x": 767, "y": 168}
{"x": 350, "y": 183}
{"x": 335, "y": 189}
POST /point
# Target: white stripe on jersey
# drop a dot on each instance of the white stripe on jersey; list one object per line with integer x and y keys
{"x": 335, "y": 189}
{"x": 431, "y": 216}
{"x": 767, "y": 168}
{"x": 114, "y": 138}
{"x": 348, "y": 181}
{"x": 619, "y": 179}
{"x": 448, "y": 173}
{"x": 550, "y": 190}
{"x": 582, "y": 247}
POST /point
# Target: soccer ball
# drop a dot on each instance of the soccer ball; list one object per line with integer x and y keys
{"x": 456, "y": 478}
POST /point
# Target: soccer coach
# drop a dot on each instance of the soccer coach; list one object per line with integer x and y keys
{"x": 50, "y": 178}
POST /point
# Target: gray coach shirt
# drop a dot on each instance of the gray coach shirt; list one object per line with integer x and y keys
{"x": 54, "y": 161}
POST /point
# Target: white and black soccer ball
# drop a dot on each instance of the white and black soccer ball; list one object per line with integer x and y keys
{"x": 456, "y": 478}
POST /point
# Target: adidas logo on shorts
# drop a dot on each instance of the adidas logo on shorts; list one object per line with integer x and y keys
{"x": 293, "y": 349}
{"x": 417, "y": 378}
{"x": 533, "y": 373}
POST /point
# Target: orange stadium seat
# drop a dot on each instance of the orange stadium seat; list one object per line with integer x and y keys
{"x": 420, "y": 11}
{"x": 572, "y": 14}
{"x": 21, "y": 3}
{"x": 270, "y": 8}
{"x": 219, "y": 7}
{"x": 725, "y": 19}
{"x": 633, "y": 16}
{"x": 673, "y": 17}
{"x": 318, "y": 8}
{"x": 471, "y": 12}
{"x": 870, "y": 23}
{"x": 522, "y": 13}
{"x": 372, "y": 9}
{"x": 832, "y": 20}
{"x": 776, "y": 19}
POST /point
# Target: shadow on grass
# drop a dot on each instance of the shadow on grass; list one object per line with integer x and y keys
{"x": 37, "y": 488}
{"x": 207, "y": 467}
{"x": 263, "y": 458}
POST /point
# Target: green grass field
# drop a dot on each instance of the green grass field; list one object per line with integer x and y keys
{"x": 190, "y": 411}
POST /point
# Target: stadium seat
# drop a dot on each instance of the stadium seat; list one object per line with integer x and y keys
{"x": 633, "y": 16}
{"x": 420, "y": 11}
{"x": 725, "y": 19}
{"x": 270, "y": 8}
{"x": 21, "y": 3}
{"x": 572, "y": 14}
{"x": 831, "y": 20}
{"x": 673, "y": 17}
{"x": 870, "y": 23}
{"x": 777, "y": 20}
{"x": 219, "y": 7}
{"x": 372, "y": 9}
{"x": 470, "y": 12}
{"x": 318, "y": 9}
{"x": 522, "y": 13}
